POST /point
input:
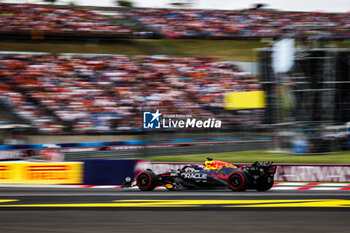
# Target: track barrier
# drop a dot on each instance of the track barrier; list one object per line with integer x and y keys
{"x": 41, "y": 173}
{"x": 110, "y": 172}
{"x": 115, "y": 172}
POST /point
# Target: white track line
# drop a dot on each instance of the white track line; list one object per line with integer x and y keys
{"x": 104, "y": 186}
{"x": 290, "y": 184}
{"x": 312, "y": 184}
{"x": 38, "y": 186}
{"x": 334, "y": 184}
{"x": 325, "y": 188}
{"x": 284, "y": 188}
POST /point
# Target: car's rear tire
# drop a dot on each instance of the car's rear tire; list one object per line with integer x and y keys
{"x": 238, "y": 181}
{"x": 264, "y": 183}
{"x": 146, "y": 181}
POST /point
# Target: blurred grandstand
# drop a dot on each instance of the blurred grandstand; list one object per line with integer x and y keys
{"x": 245, "y": 23}
{"x": 89, "y": 93}
{"x": 77, "y": 93}
{"x": 29, "y": 20}
{"x": 23, "y": 20}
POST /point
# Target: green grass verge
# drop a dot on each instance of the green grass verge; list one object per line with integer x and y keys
{"x": 235, "y": 50}
{"x": 238, "y": 50}
{"x": 91, "y": 46}
{"x": 260, "y": 155}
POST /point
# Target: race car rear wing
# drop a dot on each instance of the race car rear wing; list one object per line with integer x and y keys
{"x": 267, "y": 166}
{"x": 262, "y": 164}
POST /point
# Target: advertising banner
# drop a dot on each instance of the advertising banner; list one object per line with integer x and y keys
{"x": 9, "y": 173}
{"x": 111, "y": 172}
{"x": 244, "y": 100}
{"x": 41, "y": 173}
{"x": 313, "y": 173}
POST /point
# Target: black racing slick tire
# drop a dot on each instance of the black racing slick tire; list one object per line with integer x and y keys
{"x": 146, "y": 181}
{"x": 238, "y": 181}
{"x": 264, "y": 183}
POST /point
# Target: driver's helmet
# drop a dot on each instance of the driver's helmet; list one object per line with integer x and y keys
{"x": 217, "y": 165}
{"x": 209, "y": 163}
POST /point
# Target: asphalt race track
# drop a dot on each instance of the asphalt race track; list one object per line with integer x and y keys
{"x": 28, "y": 209}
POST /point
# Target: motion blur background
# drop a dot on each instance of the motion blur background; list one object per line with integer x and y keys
{"x": 77, "y": 75}
{"x": 85, "y": 74}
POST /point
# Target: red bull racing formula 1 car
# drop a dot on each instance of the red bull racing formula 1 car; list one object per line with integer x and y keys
{"x": 213, "y": 175}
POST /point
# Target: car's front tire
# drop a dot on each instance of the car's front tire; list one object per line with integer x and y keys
{"x": 146, "y": 181}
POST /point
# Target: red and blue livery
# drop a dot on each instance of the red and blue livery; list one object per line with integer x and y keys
{"x": 213, "y": 175}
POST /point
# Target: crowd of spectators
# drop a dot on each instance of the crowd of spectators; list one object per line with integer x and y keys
{"x": 30, "y": 17}
{"x": 27, "y": 110}
{"x": 173, "y": 23}
{"x": 108, "y": 93}
{"x": 250, "y": 23}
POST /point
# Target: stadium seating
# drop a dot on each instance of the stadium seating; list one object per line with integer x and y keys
{"x": 246, "y": 23}
{"x": 28, "y": 110}
{"x": 79, "y": 93}
{"x": 32, "y": 19}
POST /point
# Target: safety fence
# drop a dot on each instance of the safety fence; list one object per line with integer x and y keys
{"x": 134, "y": 149}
